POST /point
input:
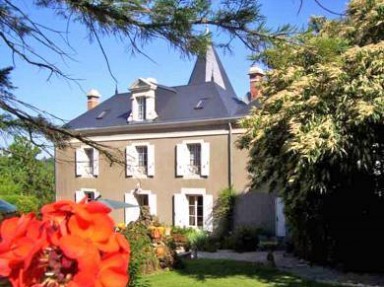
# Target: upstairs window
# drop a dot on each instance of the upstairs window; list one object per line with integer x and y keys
{"x": 194, "y": 166}
{"x": 140, "y": 160}
{"x": 141, "y": 108}
{"x": 87, "y": 162}
{"x": 192, "y": 159}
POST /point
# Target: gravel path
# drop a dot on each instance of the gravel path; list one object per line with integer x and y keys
{"x": 300, "y": 268}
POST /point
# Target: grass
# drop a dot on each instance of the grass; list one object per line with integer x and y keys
{"x": 226, "y": 273}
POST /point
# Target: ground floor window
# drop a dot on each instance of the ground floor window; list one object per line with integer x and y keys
{"x": 142, "y": 199}
{"x": 196, "y": 213}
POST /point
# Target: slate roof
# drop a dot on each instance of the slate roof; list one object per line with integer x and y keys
{"x": 208, "y": 84}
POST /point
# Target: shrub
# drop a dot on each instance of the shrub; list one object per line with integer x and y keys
{"x": 245, "y": 238}
{"x": 143, "y": 258}
{"x": 223, "y": 213}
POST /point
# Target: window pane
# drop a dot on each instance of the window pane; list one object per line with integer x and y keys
{"x": 194, "y": 158}
{"x": 195, "y": 210}
{"x": 88, "y": 164}
{"x": 142, "y": 199}
{"x": 142, "y": 159}
{"x": 142, "y": 107}
{"x": 90, "y": 195}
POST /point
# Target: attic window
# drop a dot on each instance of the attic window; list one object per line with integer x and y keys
{"x": 200, "y": 104}
{"x": 102, "y": 114}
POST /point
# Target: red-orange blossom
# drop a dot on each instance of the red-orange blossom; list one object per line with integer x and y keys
{"x": 74, "y": 245}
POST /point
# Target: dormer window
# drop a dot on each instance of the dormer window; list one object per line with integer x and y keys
{"x": 143, "y": 100}
{"x": 142, "y": 108}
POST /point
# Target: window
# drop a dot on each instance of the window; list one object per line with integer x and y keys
{"x": 142, "y": 199}
{"x": 139, "y": 198}
{"x": 200, "y": 104}
{"x": 88, "y": 193}
{"x": 193, "y": 207}
{"x": 194, "y": 166}
{"x": 140, "y": 160}
{"x": 142, "y": 108}
{"x": 195, "y": 210}
{"x": 87, "y": 162}
{"x": 192, "y": 158}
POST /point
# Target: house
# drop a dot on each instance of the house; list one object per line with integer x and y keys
{"x": 178, "y": 144}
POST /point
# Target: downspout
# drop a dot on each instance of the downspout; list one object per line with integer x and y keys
{"x": 229, "y": 154}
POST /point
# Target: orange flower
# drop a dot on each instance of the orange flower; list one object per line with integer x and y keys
{"x": 73, "y": 246}
{"x": 22, "y": 240}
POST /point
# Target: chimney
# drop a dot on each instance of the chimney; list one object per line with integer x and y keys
{"x": 256, "y": 75}
{"x": 93, "y": 97}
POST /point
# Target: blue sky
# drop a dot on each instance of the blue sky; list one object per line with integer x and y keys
{"x": 66, "y": 100}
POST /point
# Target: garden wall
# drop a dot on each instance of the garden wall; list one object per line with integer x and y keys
{"x": 256, "y": 209}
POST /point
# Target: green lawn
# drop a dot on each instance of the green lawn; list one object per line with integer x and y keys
{"x": 225, "y": 273}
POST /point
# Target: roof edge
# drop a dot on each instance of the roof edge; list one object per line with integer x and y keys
{"x": 143, "y": 127}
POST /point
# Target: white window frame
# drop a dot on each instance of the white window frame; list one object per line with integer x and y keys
{"x": 132, "y": 160}
{"x": 82, "y": 162}
{"x": 183, "y": 159}
{"x": 196, "y": 214}
{"x": 181, "y": 208}
{"x": 80, "y": 194}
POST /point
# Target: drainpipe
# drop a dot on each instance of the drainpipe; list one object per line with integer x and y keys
{"x": 229, "y": 154}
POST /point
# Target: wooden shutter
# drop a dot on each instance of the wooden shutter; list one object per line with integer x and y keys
{"x": 131, "y": 213}
{"x": 130, "y": 158}
{"x": 151, "y": 160}
{"x": 95, "y": 162}
{"x": 152, "y": 202}
{"x": 205, "y": 159}
{"x": 181, "y": 159}
{"x": 79, "y": 195}
{"x": 207, "y": 212}
{"x": 180, "y": 209}
{"x": 80, "y": 161}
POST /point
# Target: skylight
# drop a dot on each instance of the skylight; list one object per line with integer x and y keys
{"x": 102, "y": 114}
{"x": 200, "y": 103}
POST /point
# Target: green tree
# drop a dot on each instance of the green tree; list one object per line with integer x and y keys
{"x": 318, "y": 137}
{"x": 25, "y": 180}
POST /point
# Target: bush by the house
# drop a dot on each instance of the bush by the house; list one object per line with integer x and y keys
{"x": 223, "y": 213}
{"x": 245, "y": 238}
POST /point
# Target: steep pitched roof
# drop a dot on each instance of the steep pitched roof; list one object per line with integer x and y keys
{"x": 208, "y": 95}
{"x": 208, "y": 68}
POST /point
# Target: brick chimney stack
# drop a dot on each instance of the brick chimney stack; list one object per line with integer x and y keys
{"x": 256, "y": 75}
{"x": 93, "y": 97}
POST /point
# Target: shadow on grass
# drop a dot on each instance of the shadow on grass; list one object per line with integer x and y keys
{"x": 203, "y": 269}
